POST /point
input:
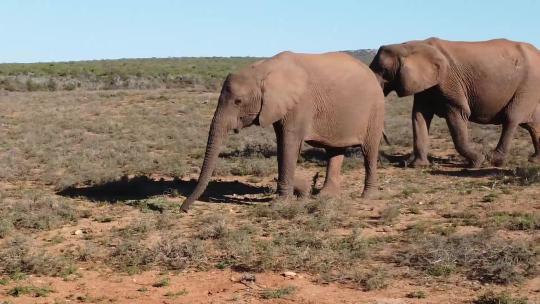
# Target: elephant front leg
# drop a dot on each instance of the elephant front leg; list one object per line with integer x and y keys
{"x": 421, "y": 121}
{"x": 333, "y": 172}
{"x": 288, "y": 148}
{"x": 457, "y": 124}
{"x": 498, "y": 157}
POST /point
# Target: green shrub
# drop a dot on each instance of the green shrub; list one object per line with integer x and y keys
{"x": 17, "y": 257}
{"x": 416, "y": 295}
{"x": 34, "y": 291}
{"x": 278, "y": 293}
{"x": 491, "y": 297}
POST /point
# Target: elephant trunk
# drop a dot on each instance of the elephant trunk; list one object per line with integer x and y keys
{"x": 218, "y": 130}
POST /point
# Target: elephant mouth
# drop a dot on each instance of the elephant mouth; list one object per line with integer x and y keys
{"x": 248, "y": 120}
{"x": 387, "y": 90}
{"x": 400, "y": 91}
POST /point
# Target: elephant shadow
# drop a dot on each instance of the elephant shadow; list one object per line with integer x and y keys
{"x": 404, "y": 160}
{"x": 479, "y": 173}
{"x": 398, "y": 160}
{"x": 142, "y": 187}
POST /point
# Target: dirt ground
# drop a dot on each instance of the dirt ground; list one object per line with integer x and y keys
{"x": 89, "y": 202}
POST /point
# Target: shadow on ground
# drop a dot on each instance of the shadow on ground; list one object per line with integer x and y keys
{"x": 398, "y": 160}
{"x": 483, "y": 172}
{"x": 404, "y": 160}
{"x": 142, "y": 187}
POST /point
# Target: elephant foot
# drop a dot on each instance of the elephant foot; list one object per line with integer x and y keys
{"x": 420, "y": 163}
{"x": 476, "y": 162}
{"x": 535, "y": 158}
{"x": 331, "y": 187}
{"x": 283, "y": 197}
{"x": 368, "y": 193}
{"x": 285, "y": 193}
{"x": 497, "y": 159}
{"x": 302, "y": 187}
{"x": 184, "y": 208}
{"x": 330, "y": 190}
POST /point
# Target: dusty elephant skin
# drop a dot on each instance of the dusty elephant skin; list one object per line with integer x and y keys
{"x": 331, "y": 101}
{"x": 490, "y": 82}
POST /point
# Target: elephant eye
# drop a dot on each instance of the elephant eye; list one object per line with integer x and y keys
{"x": 237, "y": 101}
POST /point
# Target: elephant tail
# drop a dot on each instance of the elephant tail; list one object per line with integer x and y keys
{"x": 386, "y": 138}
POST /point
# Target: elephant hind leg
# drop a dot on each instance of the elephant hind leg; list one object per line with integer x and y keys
{"x": 534, "y": 131}
{"x": 371, "y": 155}
{"x": 332, "y": 180}
{"x": 498, "y": 157}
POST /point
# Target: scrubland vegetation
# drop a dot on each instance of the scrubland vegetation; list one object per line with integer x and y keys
{"x": 189, "y": 73}
{"x": 92, "y": 179}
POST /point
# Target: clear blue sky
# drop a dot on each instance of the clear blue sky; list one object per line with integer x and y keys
{"x": 58, "y": 30}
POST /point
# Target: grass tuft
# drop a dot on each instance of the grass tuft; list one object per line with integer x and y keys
{"x": 31, "y": 290}
{"x": 480, "y": 256}
{"x": 491, "y": 297}
{"x": 17, "y": 258}
{"x": 278, "y": 293}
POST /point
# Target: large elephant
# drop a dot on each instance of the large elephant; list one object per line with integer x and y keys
{"x": 489, "y": 82}
{"x": 330, "y": 100}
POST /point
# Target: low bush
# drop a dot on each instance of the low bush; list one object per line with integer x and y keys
{"x": 479, "y": 256}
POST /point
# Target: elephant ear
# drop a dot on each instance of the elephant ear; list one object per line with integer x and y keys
{"x": 420, "y": 71}
{"x": 281, "y": 91}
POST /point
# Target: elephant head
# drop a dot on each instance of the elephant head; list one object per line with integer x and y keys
{"x": 408, "y": 68}
{"x": 260, "y": 94}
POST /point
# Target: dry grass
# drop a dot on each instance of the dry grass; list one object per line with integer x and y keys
{"x": 480, "y": 256}
{"x": 18, "y": 257}
{"x": 491, "y": 297}
{"x": 93, "y": 138}
{"x": 125, "y": 158}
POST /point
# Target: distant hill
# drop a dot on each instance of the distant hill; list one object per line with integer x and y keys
{"x": 365, "y": 55}
{"x": 199, "y": 73}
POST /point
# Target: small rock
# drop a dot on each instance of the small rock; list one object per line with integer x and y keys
{"x": 78, "y": 232}
{"x": 289, "y": 274}
{"x": 233, "y": 279}
{"x": 248, "y": 277}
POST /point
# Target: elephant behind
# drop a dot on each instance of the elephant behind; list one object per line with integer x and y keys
{"x": 330, "y": 100}
{"x": 488, "y": 82}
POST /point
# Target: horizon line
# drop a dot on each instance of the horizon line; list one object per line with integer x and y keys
{"x": 168, "y": 57}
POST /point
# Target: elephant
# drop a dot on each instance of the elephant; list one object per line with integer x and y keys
{"x": 330, "y": 101}
{"x": 486, "y": 82}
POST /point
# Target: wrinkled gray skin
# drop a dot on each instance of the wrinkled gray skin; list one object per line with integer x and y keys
{"x": 490, "y": 82}
{"x": 331, "y": 100}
